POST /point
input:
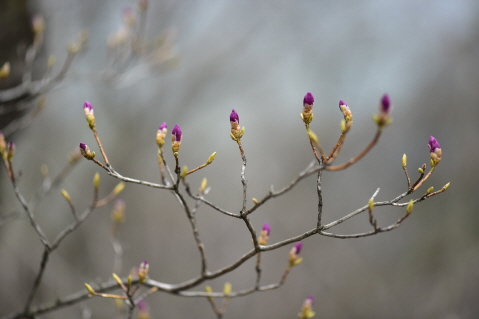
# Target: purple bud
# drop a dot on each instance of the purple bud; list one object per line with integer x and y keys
{"x": 266, "y": 228}
{"x": 177, "y": 133}
{"x": 142, "y": 306}
{"x": 341, "y": 103}
{"x": 298, "y": 247}
{"x": 11, "y": 146}
{"x": 308, "y": 99}
{"x": 162, "y": 126}
{"x": 310, "y": 300}
{"x": 87, "y": 105}
{"x": 385, "y": 104}
{"x": 234, "y": 117}
{"x": 83, "y": 146}
{"x": 433, "y": 144}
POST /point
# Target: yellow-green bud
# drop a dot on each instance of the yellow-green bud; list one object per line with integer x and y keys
{"x": 184, "y": 171}
{"x": 446, "y": 186}
{"x": 96, "y": 180}
{"x": 211, "y": 158}
{"x": 410, "y": 207}
{"x": 227, "y": 288}
{"x": 119, "y": 188}
{"x": 204, "y": 184}
{"x": 371, "y": 204}
{"x": 117, "y": 279}
{"x": 429, "y": 190}
{"x": 420, "y": 170}
{"x": 208, "y": 289}
{"x": 404, "y": 161}
{"x": 90, "y": 289}
{"x": 5, "y": 70}
{"x": 66, "y": 195}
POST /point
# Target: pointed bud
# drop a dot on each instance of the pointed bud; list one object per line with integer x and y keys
{"x": 90, "y": 117}
{"x": 161, "y": 134}
{"x": 383, "y": 118}
{"x": 344, "y": 108}
{"x": 435, "y": 151}
{"x": 211, "y": 158}
{"x": 404, "y": 161}
{"x": 307, "y": 310}
{"x": 5, "y": 70}
{"x": 410, "y": 206}
{"x": 430, "y": 190}
{"x": 264, "y": 235}
{"x": 184, "y": 171}
{"x": 90, "y": 289}
{"x": 255, "y": 201}
{"x": 294, "y": 254}
{"x": 118, "y": 212}
{"x": 143, "y": 310}
{"x": 85, "y": 151}
{"x": 371, "y": 204}
{"x": 176, "y": 136}
{"x": 446, "y": 186}
{"x": 227, "y": 288}
{"x": 118, "y": 188}
{"x": 143, "y": 271}
{"x": 385, "y": 104}
{"x": 236, "y": 131}
{"x": 96, "y": 180}
{"x": 38, "y": 24}
{"x": 307, "y": 114}
{"x": 117, "y": 279}
{"x": 66, "y": 195}
{"x": 204, "y": 184}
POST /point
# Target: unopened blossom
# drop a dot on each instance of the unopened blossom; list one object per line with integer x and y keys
{"x": 435, "y": 151}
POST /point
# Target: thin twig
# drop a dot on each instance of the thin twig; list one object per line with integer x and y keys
{"x": 359, "y": 156}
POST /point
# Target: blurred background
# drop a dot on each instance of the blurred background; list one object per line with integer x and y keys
{"x": 259, "y": 58}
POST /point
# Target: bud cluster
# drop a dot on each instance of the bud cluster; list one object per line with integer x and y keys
{"x": 383, "y": 118}
{"x": 264, "y": 235}
{"x": 90, "y": 117}
{"x": 293, "y": 256}
{"x": 176, "y": 135}
{"x": 307, "y": 114}
{"x": 435, "y": 151}
{"x": 236, "y": 131}
{"x": 161, "y": 134}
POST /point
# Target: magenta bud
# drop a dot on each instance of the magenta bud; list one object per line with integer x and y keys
{"x": 433, "y": 144}
{"x": 83, "y": 146}
{"x": 234, "y": 117}
{"x": 162, "y": 126}
{"x": 87, "y": 105}
{"x": 308, "y": 99}
{"x": 176, "y": 133}
{"x": 342, "y": 103}
{"x": 266, "y": 228}
{"x": 310, "y": 300}
{"x": 385, "y": 104}
{"x": 298, "y": 247}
